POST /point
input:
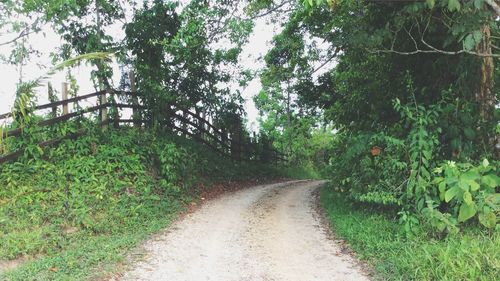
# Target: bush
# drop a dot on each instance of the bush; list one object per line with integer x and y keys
{"x": 467, "y": 191}
{"x": 377, "y": 179}
{"x": 405, "y": 172}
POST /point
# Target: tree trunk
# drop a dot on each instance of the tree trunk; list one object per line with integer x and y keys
{"x": 289, "y": 121}
{"x": 485, "y": 97}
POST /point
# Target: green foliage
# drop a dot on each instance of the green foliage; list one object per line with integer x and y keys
{"x": 23, "y": 112}
{"x": 176, "y": 59}
{"x": 376, "y": 97}
{"x": 406, "y": 174}
{"x": 378, "y": 179}
{"x": 422, "y": 142}
{"x": 469, "y": 191}
{"x": 87, "y": 201}
{"x": 304, "y": 172}
{"x": 434, "y": 115}
{"x": 377, "y": 238}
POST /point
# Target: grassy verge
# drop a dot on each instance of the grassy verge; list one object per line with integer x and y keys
{"x": 376, "y": 238}
{"x": 88, "y": 255}
{"x": 74, "y": 212}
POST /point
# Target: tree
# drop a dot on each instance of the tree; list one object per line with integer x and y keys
{"x": 179, "y": 58}
{"x": 446, "y": 27}
{"x": 406, "y": 85}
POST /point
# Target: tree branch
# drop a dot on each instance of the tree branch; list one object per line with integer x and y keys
{"x": 272, "y": 10}
{"x": 218, "y": 28}
{"x": 431, "y": 49}
{"x": 494, "y": 6}
{"x": 22, "y": 34}
{"x": 327, "y": 61}
{"x": 436, "y": 51}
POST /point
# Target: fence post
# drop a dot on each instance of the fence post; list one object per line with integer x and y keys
{"x": 135, "y": 101}
{"x": 116, "y": 114}
{"x": 52, "y": 98}
{"x": 64, "y": 96}
{"x": 104, "y": 110}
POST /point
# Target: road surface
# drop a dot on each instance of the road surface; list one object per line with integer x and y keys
{"x": 267, "y": 232}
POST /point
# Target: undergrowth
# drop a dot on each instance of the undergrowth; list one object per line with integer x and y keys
{"x": 301, "y": 172}
{"x": 377, "y": 238}
{"x": 73, "y": 211}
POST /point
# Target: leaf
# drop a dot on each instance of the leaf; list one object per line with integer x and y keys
{"x": 103, "y": 56}
{"x": 430, "y": 3}
{"x": 474, "y": 186}
{"x": 464, "y": 185}
{"x": 468, "y": 198}
{"x": 478, "y": 4}
{"x": 469, "y": 133}
{"x": 470, "y": 175}
{"x": 442, "y": 190}
{"x": 450, "y": 180}
{"x": 493, "y": 199}
{"x": 491, "y": 180}
{"x": 466, "y": 212}
{"x": 489, "y": 219}
{"x": 477, "y": 36}
{"x": 469, "y": 42}
{"x": 427, "y": 154}
{"x": 451, "y": 193}
{"x": 486, "y": 163}
{"x": 453, "y": 5}
{"x": 437, "y": 180}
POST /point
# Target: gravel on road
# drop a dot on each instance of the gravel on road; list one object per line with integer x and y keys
{"x": 266, "y": 232}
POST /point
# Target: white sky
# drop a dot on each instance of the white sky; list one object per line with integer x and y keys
{"x": 259, "y": 44}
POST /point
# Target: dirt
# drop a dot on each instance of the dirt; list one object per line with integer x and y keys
{"x": 266, "y": 232}
{"x": 6, "y": 265}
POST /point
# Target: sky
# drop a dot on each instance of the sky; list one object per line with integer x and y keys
{"x": 47, "y": 41}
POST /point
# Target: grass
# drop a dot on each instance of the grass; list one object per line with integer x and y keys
{"x": 377, "y": 239}
{"x": 74, "y": 212}
{"x": 94, "y": 247}
{"x": 88, "y": 255}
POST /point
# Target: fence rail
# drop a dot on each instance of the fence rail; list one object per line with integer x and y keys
{"x": 221, "y": 140}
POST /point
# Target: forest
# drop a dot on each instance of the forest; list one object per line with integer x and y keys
{"x": 394, "y": 103}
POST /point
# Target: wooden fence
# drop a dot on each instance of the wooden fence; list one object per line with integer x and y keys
{"x": 227, "y": 142}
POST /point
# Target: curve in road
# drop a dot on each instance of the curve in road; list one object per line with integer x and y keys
{"x": 267, "y": 232}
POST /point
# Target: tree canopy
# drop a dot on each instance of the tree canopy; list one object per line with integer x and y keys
{"x": 407, "y": 86}
{"x": 379, "y": 94}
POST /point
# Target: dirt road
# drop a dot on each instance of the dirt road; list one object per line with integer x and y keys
{"x": 269, "y": 232}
